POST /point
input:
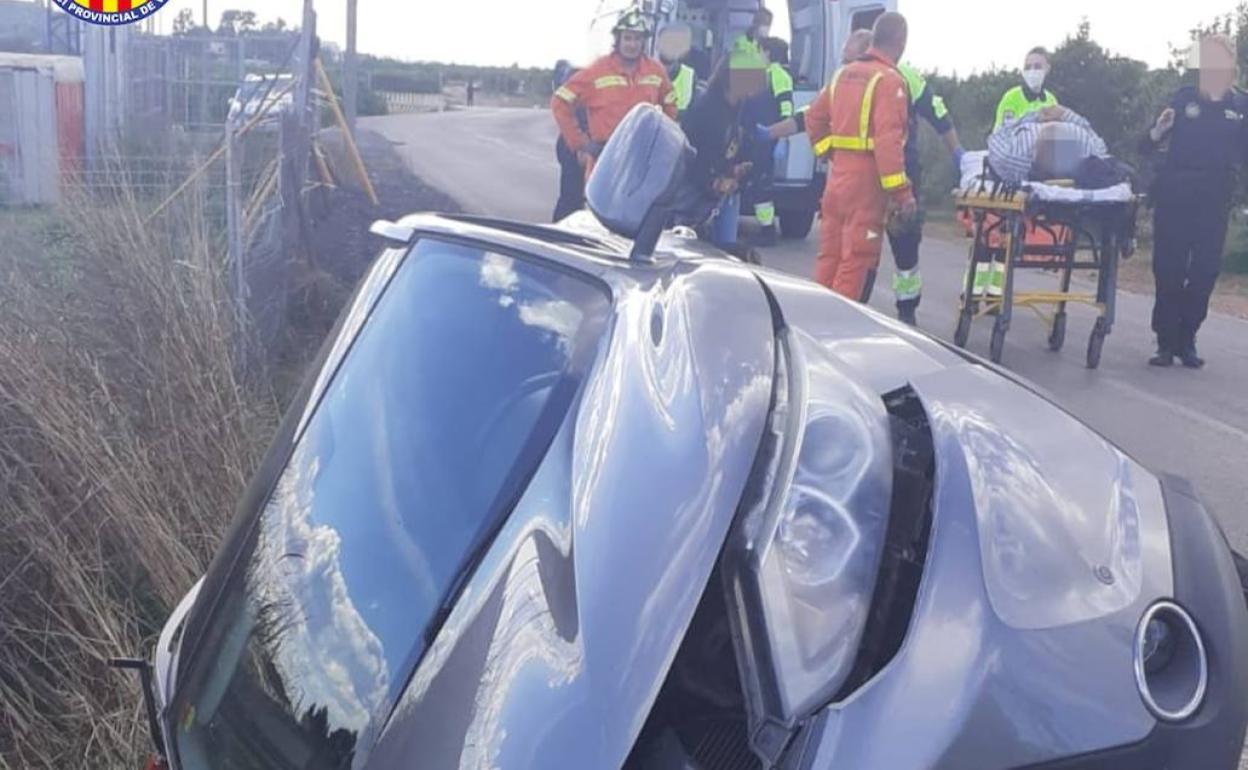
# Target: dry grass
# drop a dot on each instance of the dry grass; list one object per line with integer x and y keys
{"x": 125, "y": 438}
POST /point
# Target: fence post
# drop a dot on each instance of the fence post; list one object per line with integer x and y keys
{"x": 350, "y": 77}
{"x": 234, "y": 220}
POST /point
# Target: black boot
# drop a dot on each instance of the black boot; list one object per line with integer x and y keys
{"x": 1190, "y": 358}
{"x": 1164, "y": 357}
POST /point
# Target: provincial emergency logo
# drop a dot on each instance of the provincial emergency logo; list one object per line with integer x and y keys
{"x": 111, "y": 13}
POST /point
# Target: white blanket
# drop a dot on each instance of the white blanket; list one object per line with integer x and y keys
{"x": 973, "y": 176}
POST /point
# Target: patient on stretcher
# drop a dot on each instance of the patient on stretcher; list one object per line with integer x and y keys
{"x": 1054, "y": 143}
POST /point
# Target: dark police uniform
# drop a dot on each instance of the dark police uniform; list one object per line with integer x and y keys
{"x": 1192, "y": 202}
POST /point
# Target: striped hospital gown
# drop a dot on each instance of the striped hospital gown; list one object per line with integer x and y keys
{"x": 1012, "y": 148}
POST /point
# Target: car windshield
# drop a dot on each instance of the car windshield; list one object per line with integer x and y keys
{"x": 429, "y": 430}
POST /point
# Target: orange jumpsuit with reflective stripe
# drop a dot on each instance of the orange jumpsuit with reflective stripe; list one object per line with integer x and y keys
{"x": 607, "y": 90}
{"x": 862, "y": 118}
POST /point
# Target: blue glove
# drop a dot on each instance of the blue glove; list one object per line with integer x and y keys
{"x": 762, "y": 134}
{"x": 958, "y": 155}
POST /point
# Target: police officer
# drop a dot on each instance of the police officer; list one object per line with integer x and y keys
{"x": 1203, "y": 135}
{"x": 673, "y": 45}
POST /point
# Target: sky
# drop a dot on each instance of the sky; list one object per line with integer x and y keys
{"x": 539, "y": 32}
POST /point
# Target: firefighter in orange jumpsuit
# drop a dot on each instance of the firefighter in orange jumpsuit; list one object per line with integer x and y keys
{"x": 610, "y": 87}
{"x": 862, "y": 118}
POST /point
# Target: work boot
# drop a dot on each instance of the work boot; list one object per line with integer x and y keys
{"x": 907, "y": 315}
{"x": 1163, "y": 357}
{"x": 766, "y": 237}
{"x": 1190, "y": 358}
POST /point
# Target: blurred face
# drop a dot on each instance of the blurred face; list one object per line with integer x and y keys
{"x": 744, "y": 83}
{"x": 674, "y": 43}
{"x": 630, "y": 45}
{"x": 1218, "y": 67}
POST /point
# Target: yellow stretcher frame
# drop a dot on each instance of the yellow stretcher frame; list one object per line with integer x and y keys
{"x": 1104, "y": 230}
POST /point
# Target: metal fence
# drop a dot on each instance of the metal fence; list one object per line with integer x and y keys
{"x": 163, "y": 122}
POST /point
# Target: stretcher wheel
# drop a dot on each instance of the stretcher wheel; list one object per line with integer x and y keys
{"x": 997, "y": 347}
{"x": 1057, "y": 337}
{"x": 963, "y": 332}
{"x": 1096, "y": 343}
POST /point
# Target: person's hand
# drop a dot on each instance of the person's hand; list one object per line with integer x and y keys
{"x": 585, "y": 158}
{"x": 725, "y": 186}
{"x": 1165, "y": 122}
{"x": 742, "y": 170}
{"x": 908, "y": 209}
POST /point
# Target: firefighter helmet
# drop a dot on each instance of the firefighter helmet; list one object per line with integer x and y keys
{"x": 632, "y": 20}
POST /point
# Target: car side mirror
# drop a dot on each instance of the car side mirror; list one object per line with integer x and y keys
{"x": 634, "y": 185}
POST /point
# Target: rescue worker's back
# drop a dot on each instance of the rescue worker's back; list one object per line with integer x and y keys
{"x": 862, "y": 118}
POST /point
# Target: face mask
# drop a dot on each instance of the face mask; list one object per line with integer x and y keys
{"x": 1034, "y": 79}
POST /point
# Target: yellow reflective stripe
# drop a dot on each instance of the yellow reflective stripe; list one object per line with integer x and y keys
{"x": 650, "y": 80}
{"x": 565, "y": 94}
{"x": 864, "y": 125}
{"x": 850, "y": 143}
{"x": 824, "y": 145}
{"x": 610, "y": 81}
{"x": 894, "y": 181}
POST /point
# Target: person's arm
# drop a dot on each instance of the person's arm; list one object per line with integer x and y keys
{"x": 1161, "y": 128}
{"x": 668, "y": 96}
{"x": 891, "y": 118}
{"x": 563, "y": 105}
{"x": 933, "y": 110}
{"x": 818, "y": 119}
{"x": 782, "y": 87}
{"x": 1002, "y": 107}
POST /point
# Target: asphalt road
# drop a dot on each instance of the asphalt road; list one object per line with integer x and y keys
{"x": 501, "y": 162}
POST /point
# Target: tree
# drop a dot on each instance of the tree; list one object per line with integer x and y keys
{"x": 235, "y": 22}
{"x": 275, "y": 26}
{"x": 184, "y": 22}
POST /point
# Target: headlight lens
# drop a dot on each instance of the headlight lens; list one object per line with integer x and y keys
{"x": 814, "y": 548}
{"x": 1171, "y": 667}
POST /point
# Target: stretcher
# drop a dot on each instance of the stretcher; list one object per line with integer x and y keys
{"x": 1043, "y": 226}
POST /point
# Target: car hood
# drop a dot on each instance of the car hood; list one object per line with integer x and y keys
{"x": 1047, "y": 545}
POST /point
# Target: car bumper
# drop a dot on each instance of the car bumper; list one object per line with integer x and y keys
{"x": 1207, "y": 585}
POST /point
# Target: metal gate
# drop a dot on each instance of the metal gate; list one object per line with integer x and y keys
{"x": 29, "y": 163}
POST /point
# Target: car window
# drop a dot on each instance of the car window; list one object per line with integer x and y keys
{"x": 428, "y": 431}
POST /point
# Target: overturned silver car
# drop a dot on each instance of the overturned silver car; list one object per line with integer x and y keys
{"x": 591, "y": 497}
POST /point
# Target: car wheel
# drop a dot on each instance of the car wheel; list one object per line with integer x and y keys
{"x": 795, "y": 223}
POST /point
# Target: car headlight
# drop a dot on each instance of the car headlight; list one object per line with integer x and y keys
{"x": 806, "y": 570}
{"x": 1171, "y": 667}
